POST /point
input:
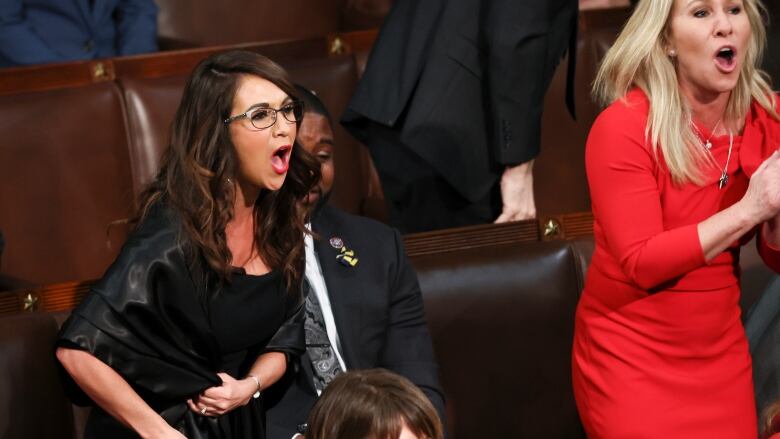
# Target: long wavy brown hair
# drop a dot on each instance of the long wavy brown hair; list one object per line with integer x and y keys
{"x": 196, "y": 176}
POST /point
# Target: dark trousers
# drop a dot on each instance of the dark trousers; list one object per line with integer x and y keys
{"x": 418, "y": 199}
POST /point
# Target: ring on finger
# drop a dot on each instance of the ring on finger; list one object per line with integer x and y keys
{"x": 203, "y": 411}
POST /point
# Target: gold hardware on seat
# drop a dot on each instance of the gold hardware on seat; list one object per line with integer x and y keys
{"x": 337, "y": 46}
{"x": 30, "y": 302}
{"x": 552, "y": 228}
{"x": 102, "y": 71}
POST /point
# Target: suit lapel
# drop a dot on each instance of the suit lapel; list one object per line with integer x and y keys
{"x": 345, "y": 299}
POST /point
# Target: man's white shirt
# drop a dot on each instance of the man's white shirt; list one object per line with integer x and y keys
{"x": 318, "y": 286}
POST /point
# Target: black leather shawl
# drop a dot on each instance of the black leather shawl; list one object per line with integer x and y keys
{"x": 147, "y": 319}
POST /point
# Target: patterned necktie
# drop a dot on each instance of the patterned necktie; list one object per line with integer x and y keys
{"x": 323, "y": 358}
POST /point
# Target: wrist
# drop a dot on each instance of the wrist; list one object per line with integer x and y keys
{"x": 155, "y": 428}
{"x": 254, "y": 385}
{"x": 747, "y": 217}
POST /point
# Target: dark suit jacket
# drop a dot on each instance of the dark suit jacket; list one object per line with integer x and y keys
{"x": 41, "y": 31}
{"x": 378, "y": 309}
{"x": 461, "y": 83}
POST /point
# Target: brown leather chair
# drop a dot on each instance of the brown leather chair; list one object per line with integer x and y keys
{"x": 502, "y": 322}
{"x": 32, "y": 401}
{"x": 364, "y": 14}
{"x": 64, "y": 179}
{"x": 151, "y": 105}
{"x": 197, "y": 23}
{"x": 560, "y": 183}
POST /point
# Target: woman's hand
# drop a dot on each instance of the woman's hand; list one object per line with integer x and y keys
{"x": 218, "y": 400}
{"x": 762, "y": 199}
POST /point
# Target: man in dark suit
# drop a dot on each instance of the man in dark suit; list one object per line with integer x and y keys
{"x": 43, "y": 31}
{"x": 450, "y": 106}
{"x": 368, "y": 301}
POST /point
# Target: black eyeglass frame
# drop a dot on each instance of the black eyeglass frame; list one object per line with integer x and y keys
{"x": 297, "y": 114}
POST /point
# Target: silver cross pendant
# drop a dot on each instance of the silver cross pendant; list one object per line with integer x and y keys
{"x": 723, "y": 181}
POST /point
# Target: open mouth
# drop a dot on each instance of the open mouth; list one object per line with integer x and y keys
{"x": 726, "y": 59}
{"x": 280, "y": 160}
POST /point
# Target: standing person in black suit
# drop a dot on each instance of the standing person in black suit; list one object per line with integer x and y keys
{"x": 367, "y": 310}
{"x": 450, "y": 106}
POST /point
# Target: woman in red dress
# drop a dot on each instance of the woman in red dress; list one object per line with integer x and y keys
{"x": 682, "y": 170}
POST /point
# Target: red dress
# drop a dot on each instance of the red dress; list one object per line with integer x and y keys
{"x": 659, "y": 348}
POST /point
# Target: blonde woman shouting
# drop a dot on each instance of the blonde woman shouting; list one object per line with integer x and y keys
{"x": 682, "y": 169}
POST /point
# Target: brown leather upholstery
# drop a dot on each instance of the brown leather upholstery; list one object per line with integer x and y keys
{"x": 502, "y": 322}
{"x": 63, "y": 179}
{"x": 32, "y": 401}
{"x": 560, "y": 183}
{"x": 204, "y": 22}
{"x": 151, "y": 105}
{"x": 364, "y": 14}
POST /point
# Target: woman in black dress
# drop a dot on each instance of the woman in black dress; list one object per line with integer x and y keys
{"x": 202, "y": 308}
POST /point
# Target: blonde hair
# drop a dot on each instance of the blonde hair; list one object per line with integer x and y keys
{"x": 639, "y": 59}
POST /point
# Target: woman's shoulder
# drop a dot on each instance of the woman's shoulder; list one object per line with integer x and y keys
{"x": 158, "y": 227}
{"x": 629, "y": 111}
{"x": 622, "y": 122}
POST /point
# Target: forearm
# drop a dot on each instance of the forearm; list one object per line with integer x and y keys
{"x": 719, "y": 231}
{"x": 111, "y": 392}
{"x": 268, "y": 368}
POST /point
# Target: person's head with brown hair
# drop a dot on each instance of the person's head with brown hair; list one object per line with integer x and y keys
{"x": 373, "y": 404}
{"x": 770, "y": 421}
{"x": 233, "y": 140}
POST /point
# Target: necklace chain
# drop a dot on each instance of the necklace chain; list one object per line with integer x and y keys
{"x": 707, "y": 144}
{"x": 724, "y": 176}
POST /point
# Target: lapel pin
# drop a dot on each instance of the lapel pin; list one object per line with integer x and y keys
{"x": 347, "y": 257}
{"x": 336, "y": 242}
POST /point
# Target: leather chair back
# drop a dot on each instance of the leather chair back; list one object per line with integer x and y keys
{"x": 502, "y": 323}
{"x": 151, "y": 106}
{"x": 32, "y": 401}
{"x": 560, "y": 183}
{"x": 64, "y": 179}
{"x": 364, "y": 14}
{"x": 197, "y": 23}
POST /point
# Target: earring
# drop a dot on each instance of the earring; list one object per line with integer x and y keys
{"x": 672, "y": 53}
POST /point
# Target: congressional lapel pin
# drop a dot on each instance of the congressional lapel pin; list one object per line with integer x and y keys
{"x": 347, "y": 257}
{"x": 336, "y": 242}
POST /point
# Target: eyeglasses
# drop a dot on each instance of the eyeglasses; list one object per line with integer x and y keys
{"x": 264, "y": 117}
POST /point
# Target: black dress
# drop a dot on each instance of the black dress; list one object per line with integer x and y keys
{"x": 162, "y": 321}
